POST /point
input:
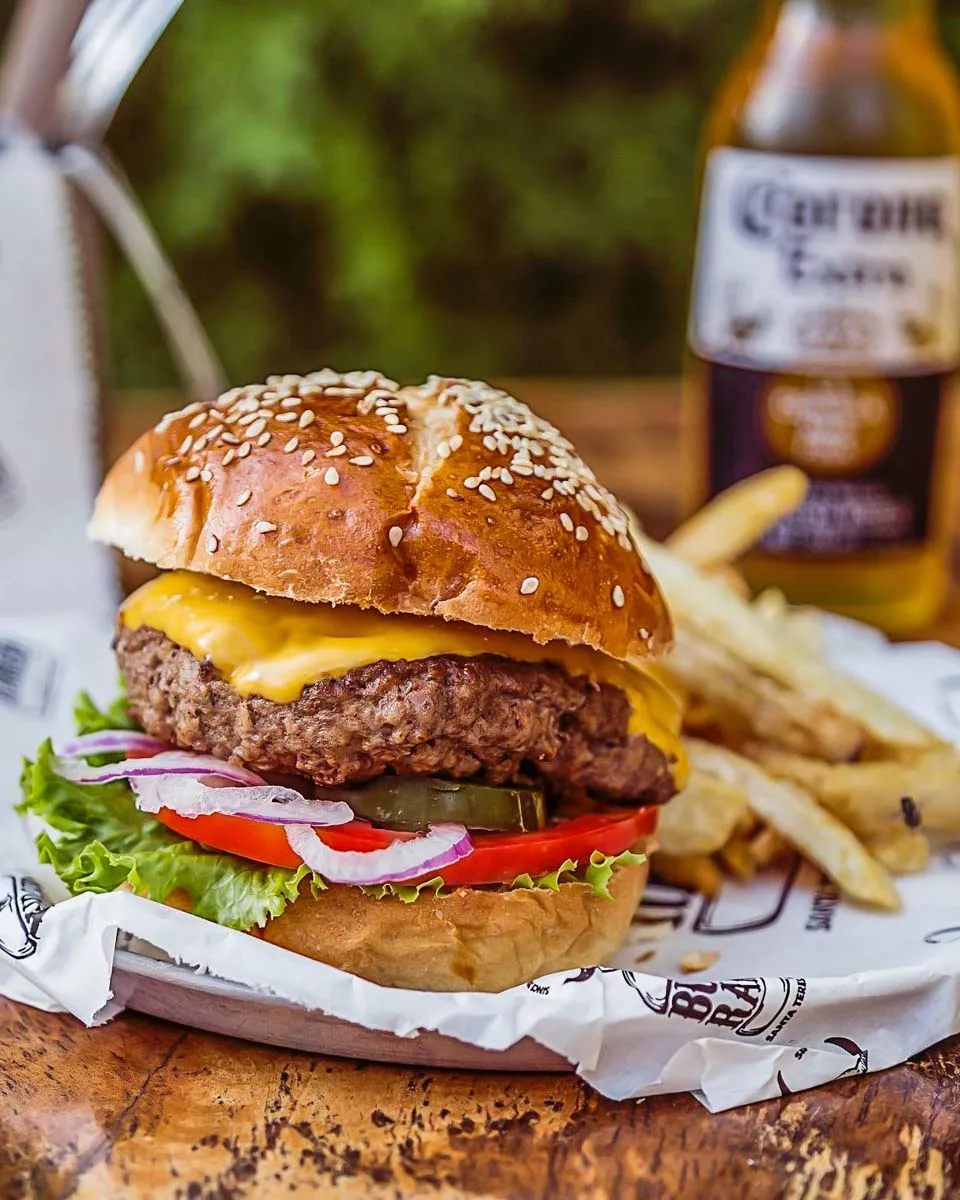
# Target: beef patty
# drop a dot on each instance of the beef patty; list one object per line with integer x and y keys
{"x": 457, "y": 717}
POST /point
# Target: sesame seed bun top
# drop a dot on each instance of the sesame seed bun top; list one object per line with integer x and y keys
{"x": 451, "y": 499}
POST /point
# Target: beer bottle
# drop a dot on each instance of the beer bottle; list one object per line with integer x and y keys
{"x": 825, "y": 319}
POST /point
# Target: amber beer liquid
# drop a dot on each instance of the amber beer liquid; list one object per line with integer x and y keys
{"x": 825, "y": 319}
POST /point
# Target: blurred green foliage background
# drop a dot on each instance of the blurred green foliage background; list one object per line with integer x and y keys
{"x": 487, "y": 187}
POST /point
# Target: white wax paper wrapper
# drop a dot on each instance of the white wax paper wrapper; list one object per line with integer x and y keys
{"x": 806, "y": 989}
{"x": 48, "y": 403}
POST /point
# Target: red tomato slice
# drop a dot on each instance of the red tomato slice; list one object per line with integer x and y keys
{"x": 496, "y": 857}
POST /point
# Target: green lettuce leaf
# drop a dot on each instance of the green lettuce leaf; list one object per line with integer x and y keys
{"x": 92, "y": 719}
{"x": 104, "y": 842}
{"x": 405, "y": 892}
{"x": 596, "y": 873}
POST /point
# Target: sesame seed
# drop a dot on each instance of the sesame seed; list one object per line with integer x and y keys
{"x": 244, "y": 450}
{"x": 287, "y": 416}
{"x": 231, "y": 439}
{"x": 213, "y": 544}
{"x": 471, "y": 482}
{"x": 529, "y": 585}
{"x": 335, "y": 452}
{"x": 618, "y": 596}
{"x": 490, "y": 443}
{"x": 487, "y": 492}
{"x": 206, "y": 475}
{"x": 190, "y": 408}
{"x": 291, "y": 402}
{"x": 197, "y": 421}
{"x": 456, "y": 442}
{"x": 645, "y": 634}
{"x": 567, "y": 522}
{"x": 581, "y": 533}
{"x": 386, "y": 411}
{"x": 308, "y": 457}
{"x": 485, "y": 474}
{"x": 505, "y": 476}
{"x": 263, "y": 439}
{"x": 624, "y": 541}
{"x": 192, "y": 474}
{"x": 547, "y": 494}
{"x": 336, "y": 438}
{"x": 212, "y": 434}
{"x": 229, "y": 457}
{"x": 184, "y": 447}
{"x": 200, "y": 444}
{"x": 394, "y": 533}
{"x": 243, "y": 498}
{"x": 248, "y": 419}
{"x": 377, "y": 448}
{"x": 307, "y": 417}
{"x": 291, "y": 445}
{"x": 362, "y": 460}
{"x": 443, "y": 449}
{"x": 398, "y": 429}
{"x": 453, "y": 495}
{"x": 265, "y": 527}
{"x": 331, "y": 476}
{"x": 257, "y": 427}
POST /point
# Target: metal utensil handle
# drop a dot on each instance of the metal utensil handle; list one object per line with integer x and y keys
{"x": 105, "y": 188}
{"x": 110, "y": 46}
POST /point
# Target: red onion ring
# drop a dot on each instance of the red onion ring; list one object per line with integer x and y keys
{"x": 443, "y": 845}
{"x": 168, "y": 762}
{"x": 191, "y": 797}
{"x": 110, "y": 741}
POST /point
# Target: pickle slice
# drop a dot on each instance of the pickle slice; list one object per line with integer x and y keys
{"x": 408, "y": 802}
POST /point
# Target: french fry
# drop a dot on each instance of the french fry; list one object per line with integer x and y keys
{"x": 736, "y": 857}
{"x": 715, "y": 626}
{"x": 794, "y": 814}
{"x": 730, "y": 524}
{"x": 695, "y": 871}
{"x": 870, "y": 796}
{"x": 765, "y": 846}
{"x": 902, "y": 851}
{"x": 732, "y": 578}
{"x": 701, "y": 818}
{"x": 743, "y": 704}
{"x": 805, "y": 624}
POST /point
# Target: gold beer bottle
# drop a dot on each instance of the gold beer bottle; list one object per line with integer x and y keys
{"x": 825, "y": 319}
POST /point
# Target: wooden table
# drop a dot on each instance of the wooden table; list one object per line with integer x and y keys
{"x": 143, "y": 1109}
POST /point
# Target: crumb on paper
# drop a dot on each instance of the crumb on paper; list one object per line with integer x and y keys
{"x": 698, "y": 960}
{"x": 642, "y": 958}
{"x": 652, "y": 931}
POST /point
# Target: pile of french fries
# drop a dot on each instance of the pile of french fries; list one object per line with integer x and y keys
{"x": 787, "y": 753}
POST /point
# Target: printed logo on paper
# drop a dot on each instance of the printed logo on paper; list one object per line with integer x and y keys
{"x": 10, "y": 498}
{"x": 22, "y": 906}
{"x": 859, "y": 1066}
{"x": 749, "y": 1007}
{"x": 28, "y": 676}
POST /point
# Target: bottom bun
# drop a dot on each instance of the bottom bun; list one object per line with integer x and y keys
{"x": 470, "y": 940}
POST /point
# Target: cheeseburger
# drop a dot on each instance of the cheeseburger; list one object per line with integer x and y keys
{"x": 392, "y": 704}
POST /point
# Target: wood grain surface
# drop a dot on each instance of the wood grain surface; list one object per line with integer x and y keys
{"x": 143, "y": 1109}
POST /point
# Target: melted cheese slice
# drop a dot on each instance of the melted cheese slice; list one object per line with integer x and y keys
{"x": 273, "y": 647}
